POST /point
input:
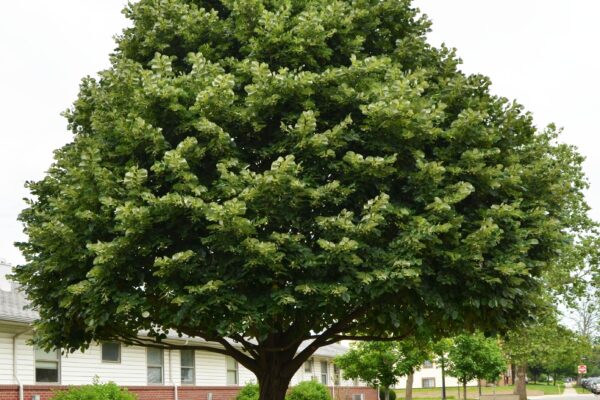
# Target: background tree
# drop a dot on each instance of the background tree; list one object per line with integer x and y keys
{"x": 271, "y": 172}
{"x": 545, "y": 346}
{"x": 585, "y": 313}
{"x": 382, "y": 364}
{"x": 566, "y": 349}
{"x": 473, "y": 356}
{"x": 441, "y": 349}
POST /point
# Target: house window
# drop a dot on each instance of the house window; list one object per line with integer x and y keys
{"x": 337, "y": 375}
{"x": 47, "y": 366}
{"x": 154, "y": 362}
{"x": 324, "y": 373}
{"x": 308, "y": 366}
{"x": 111, "y": 352}
{"x": 232, "y": 371}
{"x": 427, "y": 364}
{"x": 358, "y": 396}
{"x": 428, "y": 383}
{"x": 188, "y": 375}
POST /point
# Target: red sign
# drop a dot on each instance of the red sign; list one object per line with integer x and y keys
{"x": 582, "y": 369}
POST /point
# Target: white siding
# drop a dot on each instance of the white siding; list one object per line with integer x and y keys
{"x": 435, "y": 373}
{"x": 81, "y": 368}
{"x": 246, "y": 376}
{"x": 25, "y": 360}
{"x": 6, "y": 375}
{"x": 211, "y": 369}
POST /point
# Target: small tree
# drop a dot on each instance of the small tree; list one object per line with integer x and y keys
{"x": 475, "y": 357}
{"x": 381, "y": 364}
{"x": 441, "y": 349}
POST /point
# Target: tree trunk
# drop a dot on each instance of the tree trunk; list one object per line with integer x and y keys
{"x": 387, "y": 393}
{"x": 465, "y": 389}
{"x": 443, "y": 379}
{"x": 479, "y": 386}
{"x": 408, "y": 395}
{"x": 520, "y": 384}
{"x": 513, "y": 373}
{"x": 273, "y": 384}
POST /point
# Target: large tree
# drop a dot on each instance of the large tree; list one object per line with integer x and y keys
{"x": 259, "y": 173}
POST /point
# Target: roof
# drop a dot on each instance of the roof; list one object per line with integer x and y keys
{"x": 13, "y": 306}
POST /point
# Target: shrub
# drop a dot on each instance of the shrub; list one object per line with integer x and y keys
{"x": 382, "y": 394}
{"x": 248, "y": 392}
{"x": 309, "y": 390}
{"x": 105, "y": 391}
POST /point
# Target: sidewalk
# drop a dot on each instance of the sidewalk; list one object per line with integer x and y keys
{"x": 570, "y": 391}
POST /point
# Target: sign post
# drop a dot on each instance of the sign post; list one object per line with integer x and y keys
{"x": 581, "y": 369}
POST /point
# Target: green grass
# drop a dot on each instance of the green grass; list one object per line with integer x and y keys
{"x": 580, "y": 389}
{"x": 473, "y": 393}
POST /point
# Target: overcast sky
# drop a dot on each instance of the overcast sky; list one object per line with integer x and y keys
{"x": 543, "y": 53}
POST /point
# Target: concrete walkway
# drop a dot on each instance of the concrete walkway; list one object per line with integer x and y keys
{"x": 568, "y": 394}
{"x": 570, "y": 391}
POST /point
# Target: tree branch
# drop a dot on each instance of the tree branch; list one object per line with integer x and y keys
{"x": 242, "y": 358}
{"x": 137, "y": 341}
{"x": 337, "y": 338}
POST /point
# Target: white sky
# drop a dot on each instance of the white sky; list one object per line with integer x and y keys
{"x": 544, "y": 53}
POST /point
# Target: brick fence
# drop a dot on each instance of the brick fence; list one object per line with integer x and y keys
{"x": 11, "y": 392}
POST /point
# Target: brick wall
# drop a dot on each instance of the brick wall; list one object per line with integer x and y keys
{"x": 11, "y": 392}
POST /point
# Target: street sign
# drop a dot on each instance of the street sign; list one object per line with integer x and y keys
{"x": 582, "y": 369}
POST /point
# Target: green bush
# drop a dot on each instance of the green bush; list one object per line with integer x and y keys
{"x": 382, "y": 394}
{"x": 248, "y": 392}
{"x": 309, "y": 390}
{"x": 105, "y": 391}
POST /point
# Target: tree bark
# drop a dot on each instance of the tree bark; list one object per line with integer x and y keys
{"x": 387, "y": 393}
{"x": 513, "y": 373}
{"x": 520, "y": 383}
{"x": 273, "y": 387}
{"x": 408, "y": 395}
{"x": 443, "y": 379}
{"x": 465, "y": 389}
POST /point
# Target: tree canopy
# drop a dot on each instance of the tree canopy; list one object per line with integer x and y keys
{"x": 273, "y": 171}
{"x": 475, "y": 357}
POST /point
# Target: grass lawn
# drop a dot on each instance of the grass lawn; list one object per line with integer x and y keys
{"x": 581, "y": 390}
{"x": 473, "y": 393}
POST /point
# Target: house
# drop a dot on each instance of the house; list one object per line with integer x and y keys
{"x": 429, "y": 376}
{"x": 153, "y": 374}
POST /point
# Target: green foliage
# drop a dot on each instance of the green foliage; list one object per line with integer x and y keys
{"x": 106, "y": 391}
{"x": 309, "y": 390}
{"x": 264, "y": 170}
{"x": 383, "y": 363}
{"x": 249, "y": 392}
{"x": 475, "y": 357}
{"x": 548, "y": 347}
{"x": 391, "y": 394}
